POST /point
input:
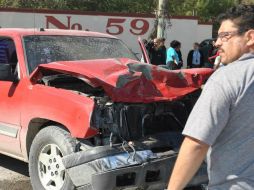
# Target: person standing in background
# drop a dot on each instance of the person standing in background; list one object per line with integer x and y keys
{"x": 195, "y": 57}
{"x": 157, "y": 52}
{"x": 163, "y": 49}
{"x": 173, "y": 60}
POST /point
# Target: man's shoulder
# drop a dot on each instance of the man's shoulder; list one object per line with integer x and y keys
{"x": 241, "y": 67}
{"x": 236, "y": 73}
{"x": 244, "y": 62}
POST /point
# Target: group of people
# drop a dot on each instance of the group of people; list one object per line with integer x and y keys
{"x": 171, "y": 58}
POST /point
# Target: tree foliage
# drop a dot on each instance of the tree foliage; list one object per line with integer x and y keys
{"x": 205, "y": 9}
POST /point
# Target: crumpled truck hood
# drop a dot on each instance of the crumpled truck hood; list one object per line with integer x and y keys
{"x": 126, "y": 80}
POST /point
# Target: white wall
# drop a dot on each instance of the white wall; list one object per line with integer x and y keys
{"x": 203, "y": 30}
{"x": 184, "y": 29}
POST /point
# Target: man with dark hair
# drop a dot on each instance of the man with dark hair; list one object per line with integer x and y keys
{"x": 221, "y": 124}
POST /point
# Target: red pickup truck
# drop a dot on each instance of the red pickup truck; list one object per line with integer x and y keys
{"x": 82, "y": 110}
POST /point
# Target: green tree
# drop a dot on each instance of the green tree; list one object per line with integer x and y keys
{"x": 205, "y": 9}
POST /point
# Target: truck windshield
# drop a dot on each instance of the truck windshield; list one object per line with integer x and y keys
{"x": 45, "y": 49}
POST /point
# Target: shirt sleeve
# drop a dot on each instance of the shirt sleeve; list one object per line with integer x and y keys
{"x": 210, "y": 114}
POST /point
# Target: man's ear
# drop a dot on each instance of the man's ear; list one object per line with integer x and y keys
{"x": 250, "y": 37}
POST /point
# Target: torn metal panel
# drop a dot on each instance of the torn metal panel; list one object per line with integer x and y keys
{"x": 125, "y": 81}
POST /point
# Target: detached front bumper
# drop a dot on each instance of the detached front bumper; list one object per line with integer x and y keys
{"x": 106, "y": 168}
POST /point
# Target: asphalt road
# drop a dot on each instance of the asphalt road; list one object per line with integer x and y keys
{"x": 13, "y": 174}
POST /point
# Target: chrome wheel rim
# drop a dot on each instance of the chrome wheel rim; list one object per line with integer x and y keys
{"x": 50, "y": 167}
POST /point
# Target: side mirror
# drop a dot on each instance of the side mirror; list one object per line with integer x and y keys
{"x": 6, "y": 73}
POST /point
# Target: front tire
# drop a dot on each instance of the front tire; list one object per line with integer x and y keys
{"x": 46, "y": 168}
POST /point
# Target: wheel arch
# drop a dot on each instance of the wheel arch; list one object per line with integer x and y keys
{"x": 35, "y": 125}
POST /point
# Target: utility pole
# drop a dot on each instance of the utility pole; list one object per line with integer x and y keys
{"x": 161, "y": 13}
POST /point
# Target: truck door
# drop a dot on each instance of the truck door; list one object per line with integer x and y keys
{"x": 145, "y": 57}
{"x": 10, "y": 98}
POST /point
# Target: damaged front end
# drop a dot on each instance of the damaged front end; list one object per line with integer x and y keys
{"x": 139, "y": 112}
{"x": 136, "y": 147}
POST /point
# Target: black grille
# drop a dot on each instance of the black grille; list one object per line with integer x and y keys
{"x": 140, "y": 120}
